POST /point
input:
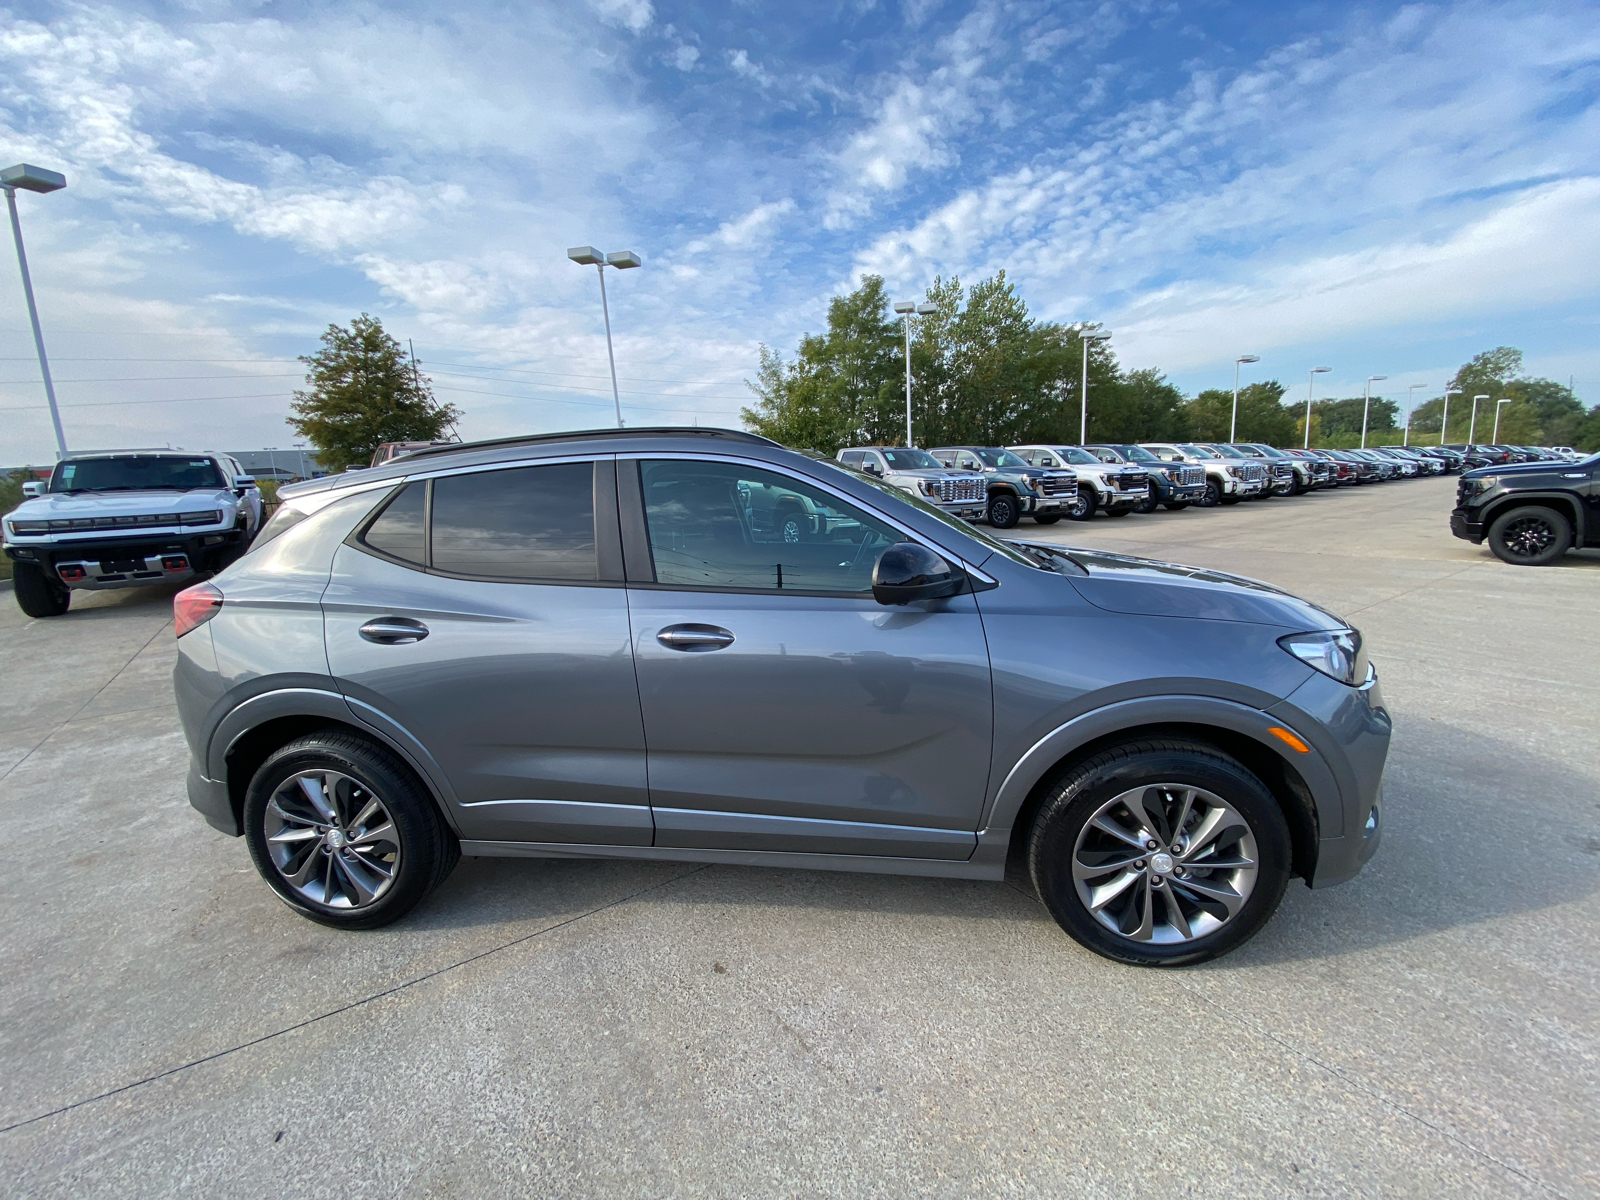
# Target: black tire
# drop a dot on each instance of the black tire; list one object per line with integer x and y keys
{"x": 37, "y": 594}
{"x": 1531, "y": 536}
{"x": 1176, "y": 505}
{"x": 1047, "y": 518}
{"x": 1148, "y": 504}
{"x": 1082, "y": 506}
{"x": 1212, "y": 495}
{"x": 1054, "y": 841}
{"x": 427, "y": 850}
{"x": 1004, "y": 511}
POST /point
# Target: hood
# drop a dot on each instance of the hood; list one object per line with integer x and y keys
{"x": 66, "y": 505}
{"x": 1145, "y": 587}
{"x": 1533, "y": 468}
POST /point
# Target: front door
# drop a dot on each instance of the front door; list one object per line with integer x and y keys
{"x": 521, "y": 683}
{"x": 784, "y": 708}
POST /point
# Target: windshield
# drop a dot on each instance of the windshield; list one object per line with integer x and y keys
{"x": 135, "y": 471}
{"x": 1269, "y": 451}
{"x": 1135, "y": 454}
{"x": 1072, "y": 454}
{"x": 1001, "y": 458}
{"x": 910, "y": 460}
{"x": 1191, "y": 449}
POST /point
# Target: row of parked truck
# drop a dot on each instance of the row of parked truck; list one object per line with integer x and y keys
{"x": 1002, "y": 484}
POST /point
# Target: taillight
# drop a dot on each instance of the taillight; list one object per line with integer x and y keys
{"x": 194, "y": 606}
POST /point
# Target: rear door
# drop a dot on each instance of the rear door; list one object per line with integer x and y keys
{"x": 784, "y": 708}
{"x": 485, "y": 613}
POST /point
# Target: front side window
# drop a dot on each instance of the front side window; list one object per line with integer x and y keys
{"x": 1003, "y": 459}
{"x": 1075, "y": 454}
{"x": 910, "y": 460}
{"x": 725, "y": 525}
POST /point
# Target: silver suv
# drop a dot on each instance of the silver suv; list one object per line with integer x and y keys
{"x": 961, "y": 493}
{"x": 589, "y": 646}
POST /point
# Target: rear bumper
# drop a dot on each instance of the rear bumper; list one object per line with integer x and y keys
{"x": 1471, "y": 531}
{"x": 209, "y": 798}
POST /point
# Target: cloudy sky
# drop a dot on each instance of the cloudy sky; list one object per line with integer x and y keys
{"x": 1382, "y": 189}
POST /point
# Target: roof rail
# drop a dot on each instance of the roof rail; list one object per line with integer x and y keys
{"x": 539, "y": 439}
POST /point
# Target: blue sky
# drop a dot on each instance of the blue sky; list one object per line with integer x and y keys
{"x": 1381, "y": 189}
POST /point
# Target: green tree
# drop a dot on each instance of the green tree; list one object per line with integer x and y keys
{"x": 1139, "y": 406}
{"x": 1586, "y": 435}
{"x": 1341, "y": 418}
{"x": 362, "y": 389}
{"x": 1262, "y": 415}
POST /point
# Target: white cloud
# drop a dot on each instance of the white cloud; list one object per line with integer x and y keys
{"x": 634, "y": 15}
{"x": 685, "y": 57}
{"x": 741, "y": 63}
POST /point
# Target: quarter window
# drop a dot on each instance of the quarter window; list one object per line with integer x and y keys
{"x": 398, "y": 531}
{"x": 727, "y": 526}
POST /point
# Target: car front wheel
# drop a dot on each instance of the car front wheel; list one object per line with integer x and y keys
{"x": 37, "y": 594}
{"x": 1529, "y": 537}
{"x": 1212, "y": 496}
{"x": 1082, "y": 507}
{"x": 1003, "y": 511}
{"x": 344, "y": 832}
{"x": 1160, "y": 853}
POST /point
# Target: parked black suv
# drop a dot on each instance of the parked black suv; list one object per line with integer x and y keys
{"x": 1532, "y": 513}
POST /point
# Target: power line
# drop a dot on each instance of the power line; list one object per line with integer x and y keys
{"x": 125, "y": 403}
{"x": 153, "y": 379}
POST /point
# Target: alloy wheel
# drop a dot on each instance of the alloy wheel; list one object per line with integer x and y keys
{"x": 332, "y": 839}
{"x": 1529, "y": 537}
{"x": 1166, "y": 863}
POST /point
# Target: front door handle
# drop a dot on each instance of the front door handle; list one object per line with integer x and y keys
{"x": 394, "y": 631}
{"x": 694, "y": 638}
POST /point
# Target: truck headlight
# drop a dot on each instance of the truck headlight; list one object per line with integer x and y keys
{"x": 29, "y": 526}
{"x": 1337, "y": 653}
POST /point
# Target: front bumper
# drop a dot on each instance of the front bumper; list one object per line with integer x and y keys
{"x": 1125, "y": 498}
{"x": 1462, "y": 527}
{"x": 1242, "y": 487}
{"x": 109, "y": 564}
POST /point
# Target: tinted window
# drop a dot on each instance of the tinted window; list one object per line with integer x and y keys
{"x": 1001, "y": 458}
{"x": 398, "y": 529}
{"x": 722, "y": 525}
{"x": 524, "y": 523}
{"x": 135, "y": 471}
{"x": 910, "y": 460}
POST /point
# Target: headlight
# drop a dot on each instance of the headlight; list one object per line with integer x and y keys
{"x": 1471, "y": 486}
{"x": 29, "y": 526}
{"x": 925, "y": 487}
{"x": 1236, "y": 472}
{"x": 202, "y": 518}
{"x": 1337, "y": 653}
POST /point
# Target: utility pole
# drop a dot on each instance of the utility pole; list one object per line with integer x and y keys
{"x": 34, "y": 179}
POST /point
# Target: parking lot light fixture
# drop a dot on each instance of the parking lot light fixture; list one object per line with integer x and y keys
{"x": 1310, "y": 384}
{"x": 621, "y": 260}
{"x": 1495, "y": 439}
{"x": 1411, "y": 391}
{"x": 906, "y": 308}
{"x": 1472, "y": 429}
{"x": 1103, "y": 335}
{"x": 34, "y": 179}
{"x": 1444, "y": 421}
{"x": 1233, "y": 427}
{"x": 1366, "y": 404}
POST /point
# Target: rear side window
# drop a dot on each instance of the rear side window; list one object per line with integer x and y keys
{"x": 398, "y": 531}
{"x": 523, "y": 523}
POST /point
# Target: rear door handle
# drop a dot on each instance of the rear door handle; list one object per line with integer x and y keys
{"x": 394, "y": 631}
{"x": 694, "y": 638}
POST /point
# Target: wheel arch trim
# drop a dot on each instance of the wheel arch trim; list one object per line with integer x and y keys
{"x": 1129, "y": 716}
{"x": 1568, "y": 505}
{"x": 258, "y": 710}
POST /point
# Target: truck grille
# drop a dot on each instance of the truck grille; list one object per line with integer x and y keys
{"x": 1058, "y": 485}
{"x": 1129, "y": 480}
{"x": 117, "y": 524}
{"x": 955, "y": 490}
{"x": 1282, "y": 471}
{"x": 1253, "y": 473}
{"x": 1190, "y": 476}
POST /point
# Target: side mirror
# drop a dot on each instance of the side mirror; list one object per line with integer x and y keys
{"x": 872, "y": 468}
{"x": 33, "y": 488}
{"x": 906, "y": 572}
{"x": 244, "y": 481}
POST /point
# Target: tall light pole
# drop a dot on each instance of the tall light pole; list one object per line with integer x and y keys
{"x": 1444, "y": 421}
{"x": 621, "y": 260}
{"x": 1311, "y": 382}
{"x": 1411, "y": 389}
{"x": 1366, "y": 405}
{"x": 34, "y": 179}
{"x": 1472, "y": 430}
{"x": 906, "y": 308}
{"x": 272, "y": 461}
{"x": 1086, "y": 337}
{"x": 1495, "y": 438}
{"x": 1233, "y": 428}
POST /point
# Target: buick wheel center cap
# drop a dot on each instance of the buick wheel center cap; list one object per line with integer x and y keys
{"x": 335, "y": 839}
{"x": 1161, "y": 864}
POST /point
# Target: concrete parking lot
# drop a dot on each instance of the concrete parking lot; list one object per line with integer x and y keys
{"x": 619, "y": 1028}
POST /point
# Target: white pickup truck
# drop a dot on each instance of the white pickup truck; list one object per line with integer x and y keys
{"x": 127, "y": 518}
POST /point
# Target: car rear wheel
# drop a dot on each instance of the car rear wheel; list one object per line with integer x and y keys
{"x": 1004, "y": 512}
{"x": 1082, "y": 507}
{"x": 344, "y": 832}
{"x": 1160, "y": 853}
{"x": 1529, "y": 537}
{"x": 37, "y": 594}
{"x": 793, "y": 527}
